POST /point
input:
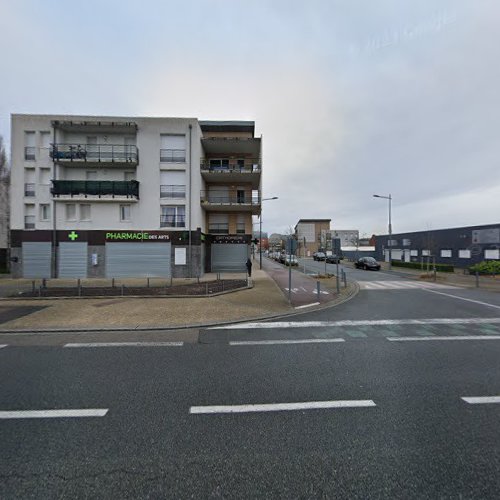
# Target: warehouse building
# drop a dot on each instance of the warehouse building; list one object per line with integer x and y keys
{"x": 131, "y": 197}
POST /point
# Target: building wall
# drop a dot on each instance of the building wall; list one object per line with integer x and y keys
{"x": 474, "y": 239}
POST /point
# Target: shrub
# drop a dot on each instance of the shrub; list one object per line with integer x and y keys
{"x": 441, "y": 268}
{"x": 486, "y": 267}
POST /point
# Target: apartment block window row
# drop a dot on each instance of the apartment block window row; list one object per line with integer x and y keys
{"x": 174, "y": 216}
{"x": 31, "y": 149}
{"x": 76, "y": 212}
{"x": 172, "y": 185}
{"x": 173, "y": 148}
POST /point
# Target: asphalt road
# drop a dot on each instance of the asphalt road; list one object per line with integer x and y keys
{"x": 380, "y": 381}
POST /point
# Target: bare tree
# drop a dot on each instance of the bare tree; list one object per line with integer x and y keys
{"x": 4, "y": 203}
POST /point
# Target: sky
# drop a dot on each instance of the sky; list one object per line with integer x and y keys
{"x": 352, "y": 97}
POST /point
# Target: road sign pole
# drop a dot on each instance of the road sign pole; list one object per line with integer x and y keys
{"x": 290, "y": 271}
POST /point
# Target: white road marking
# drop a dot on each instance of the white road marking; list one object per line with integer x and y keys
{"x": 3, "y": 345}
{"x": 307, "y": 305}
{"x": 482, "y": 400}
{"x": 274, "y": 342}
{"x": 311, "y": 405}
{"x": 125, "y": 344}
{"x": 451, "y": 337}
{"x": 400, "y": 285}
{"x": 92, "y": 412}
{"x": 371, "y": 322}
{"x": 463, "y": 298}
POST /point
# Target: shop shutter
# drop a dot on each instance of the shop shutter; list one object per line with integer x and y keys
{"x": 72, "y": 260}
{"x": 229, "y": 257}
{"x": 129, "y": 260}
{"x": 36, "y": 259}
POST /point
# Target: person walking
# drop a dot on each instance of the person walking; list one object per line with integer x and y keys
{"x": 249, "y": 267}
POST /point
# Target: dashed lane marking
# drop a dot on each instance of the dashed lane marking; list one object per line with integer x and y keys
{"x": 307, "y": 305}
{"x": 125, "y": 344}
{"x": 442, "y": 337}
{"x": 92, "y": 412}
{"x": 311, "y": 405}
{"x": 482, "y": 400}
{"x": 3, "y": 345}
{"x": 275, "y": 342}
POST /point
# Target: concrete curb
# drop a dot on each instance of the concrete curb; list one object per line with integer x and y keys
{"x": 328, "y": 305}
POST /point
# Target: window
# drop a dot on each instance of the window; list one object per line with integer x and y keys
{"x": 45, "y": 139}
{"x": 240, "y": 224}
{"x": 173, "y": 148}
{"x": 70, "y": 211}
{"x": 172, "y": 184}
{"x": 124, "y": 213}
{"x": 413, "y": 253}
{"x": 44, "y": 212}
{"x": 406, "y": 242}
{"x": 45, "y": 176}
{"x": 464, "y": 254}
{"x": 446, "y": 253}
{"x": 173, "y": 216}
{"x": 493, "y": 254}
{"x": 85, "y": 212}
{"x": 426, "y": 253}
{"x": 392, "y": 243}
{"x": 29, "y": 146}
{"x": 91, "y": 175}
{"x": 219, "y": 164}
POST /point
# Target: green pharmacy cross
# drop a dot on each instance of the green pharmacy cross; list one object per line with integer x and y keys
{"x": 73, "y": 236}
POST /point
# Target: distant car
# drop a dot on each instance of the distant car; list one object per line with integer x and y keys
{"x": 319, "y": 256}
{"x": 282, "y": 258}
{"x": 333, "y": 259}
{"x": 367, "y": 263}
{"x": 291, "y": 260}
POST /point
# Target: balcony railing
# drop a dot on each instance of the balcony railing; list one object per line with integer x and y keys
{"x": 95, "y": 153}
{"x": 172, "y": 155}
{"x": 29, "y": 222}
{"x": 172, "y": 221}
{"x": 248, "y": 165}
{"x": 172, "y": 191}
{"x": 29, "y": 153}
{"x": 218, "y": 228}
{"x": 29, "y": 190}
{"x": 96, "y": 188}
{"x": 224, "y": 198}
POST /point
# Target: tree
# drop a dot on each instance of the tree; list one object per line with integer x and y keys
{"x": 4, "y": 202}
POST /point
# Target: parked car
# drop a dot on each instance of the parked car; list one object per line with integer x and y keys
{"x": 282, "y": 258}
{"x": 291, "y": 260}
{"x": 319, "y": 256}
{"x": 333, "y": 259}
{"x": 367, "y": 263}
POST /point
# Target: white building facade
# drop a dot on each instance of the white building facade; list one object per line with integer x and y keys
{"x": 126, "y": 197}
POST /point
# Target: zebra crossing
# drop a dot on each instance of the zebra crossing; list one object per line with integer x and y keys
{"x": 401, "y": 285}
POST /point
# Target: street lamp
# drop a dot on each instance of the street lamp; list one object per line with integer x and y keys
{"x": 260, "y": 230}
{"x": 390, "y": 226}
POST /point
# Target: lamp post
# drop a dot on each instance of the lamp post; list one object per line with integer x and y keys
{"x": 390, "y": 226}
{"x": 260, "y": 229}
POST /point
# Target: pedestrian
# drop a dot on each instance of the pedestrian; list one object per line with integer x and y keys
{"x": 249, "y": 267}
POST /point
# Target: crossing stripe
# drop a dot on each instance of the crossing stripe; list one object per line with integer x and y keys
{"x": 401, "y": 285}
{"x": 311, "y": 405}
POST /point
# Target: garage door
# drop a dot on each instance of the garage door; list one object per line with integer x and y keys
{"x": 128, "y": 260}
{"x": 229, "y": 257}
{"x": 72, "y": 260}
{"x": 36, "y": 259}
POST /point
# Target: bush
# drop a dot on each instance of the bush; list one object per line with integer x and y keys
{"x": 486, "y": 267}
{"x": 440, "y": 268}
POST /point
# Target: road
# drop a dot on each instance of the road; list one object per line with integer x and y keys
{"x": 370, "y": 399}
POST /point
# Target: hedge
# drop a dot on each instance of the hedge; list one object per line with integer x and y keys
{"x": 442, "y": 268}
{"x": 486, "y": 267}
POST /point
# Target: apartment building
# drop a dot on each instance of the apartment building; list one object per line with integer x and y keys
{"x": 132, "y": 197}
{"x": 309, "y": 231}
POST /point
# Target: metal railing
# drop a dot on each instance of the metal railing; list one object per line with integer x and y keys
{"x": 218, "y": 228}
{"x": 29, "y": 222}
{"x": 29, "y": 153}
{"x": 225, "y": 198}
{"x": 95, "y": 153}
{"x": 172, "y": 155}
{"x": 249, "y": 165}
{"x": 29, "y": 189}
{"x": 96, "y": 188}
{"x": 172, "y": 221}
{"x": 172, "y": 191}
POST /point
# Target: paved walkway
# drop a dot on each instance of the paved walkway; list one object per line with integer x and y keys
{"x": 267, "y": 298}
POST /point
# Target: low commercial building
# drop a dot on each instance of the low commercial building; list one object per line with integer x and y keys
{"x": 126, "y": 197}
{"x": 461, "y": 246}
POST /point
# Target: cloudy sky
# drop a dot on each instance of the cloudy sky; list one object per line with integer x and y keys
{"x": 352, "y": 97}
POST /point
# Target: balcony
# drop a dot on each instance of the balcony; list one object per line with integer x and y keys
{"x": 97, "y": 190}
{"x": 172, "y": 191}
{"x": 223, "y": 201}
{"x": 105, "y": 155}
{"x": 226, "y": 170}
{"x": 172, "y": 155}
{"x": 29, "y": 190}
{"x": 172, "y": 221}
{"x": 218, "y": 228}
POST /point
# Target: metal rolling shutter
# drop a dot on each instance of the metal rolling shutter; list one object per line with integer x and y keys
{"x": 72, "y": 260}
{"x": 36, "y": 259}
{"x": 229, "y": 257}
{"x": 128, "y": 260}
